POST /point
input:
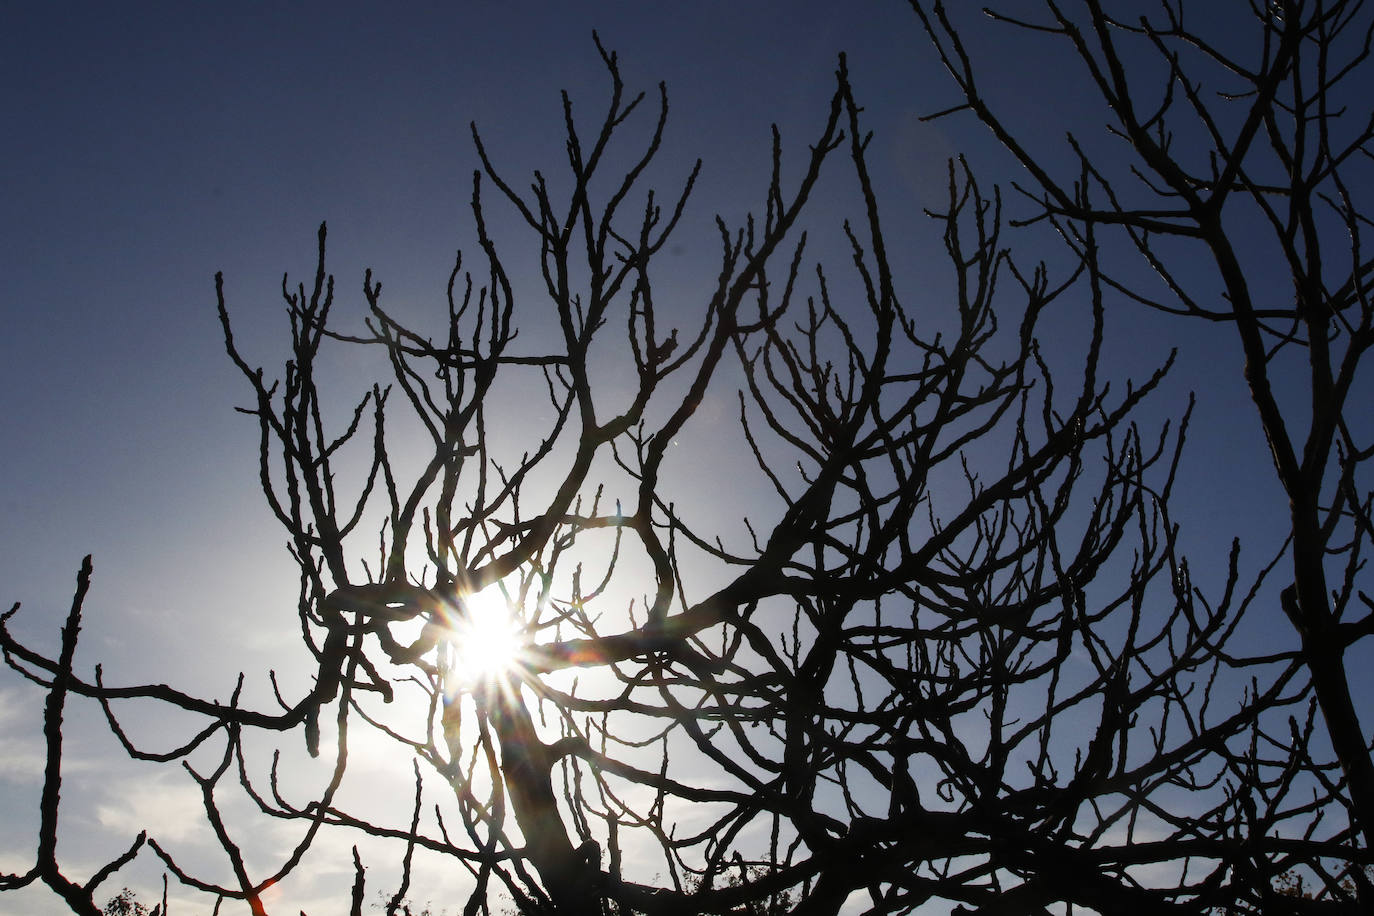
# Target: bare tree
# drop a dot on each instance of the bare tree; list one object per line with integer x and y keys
{"x": 953, "y": 655}
{"x": 1246, "y": 154}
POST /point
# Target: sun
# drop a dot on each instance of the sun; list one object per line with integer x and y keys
{"x": 486, "y": 638}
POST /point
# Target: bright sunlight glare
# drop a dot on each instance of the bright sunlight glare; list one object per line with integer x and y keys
{"x": 486, "y": 640}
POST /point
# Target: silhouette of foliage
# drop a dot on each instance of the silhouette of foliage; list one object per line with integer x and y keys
{"x": 125, "y": 903}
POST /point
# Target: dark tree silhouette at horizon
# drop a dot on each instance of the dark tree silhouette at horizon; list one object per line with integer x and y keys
{"x": 953, "y": 656}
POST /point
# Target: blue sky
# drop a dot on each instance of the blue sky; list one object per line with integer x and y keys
{"x": 149, "y": 145}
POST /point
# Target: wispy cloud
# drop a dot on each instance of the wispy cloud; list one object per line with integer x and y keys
{"x": 169, "y": 809}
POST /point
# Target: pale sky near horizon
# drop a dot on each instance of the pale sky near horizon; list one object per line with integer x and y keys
{"x": 149, "y": 145}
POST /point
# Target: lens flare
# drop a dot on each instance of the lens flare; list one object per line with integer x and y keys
{"x": 486, "y": 638}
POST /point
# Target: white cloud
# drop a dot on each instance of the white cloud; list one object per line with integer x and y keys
{"x": 22, "y": 761}
{"x": 168, "y": 809}
{"x": 21, "y": 735}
